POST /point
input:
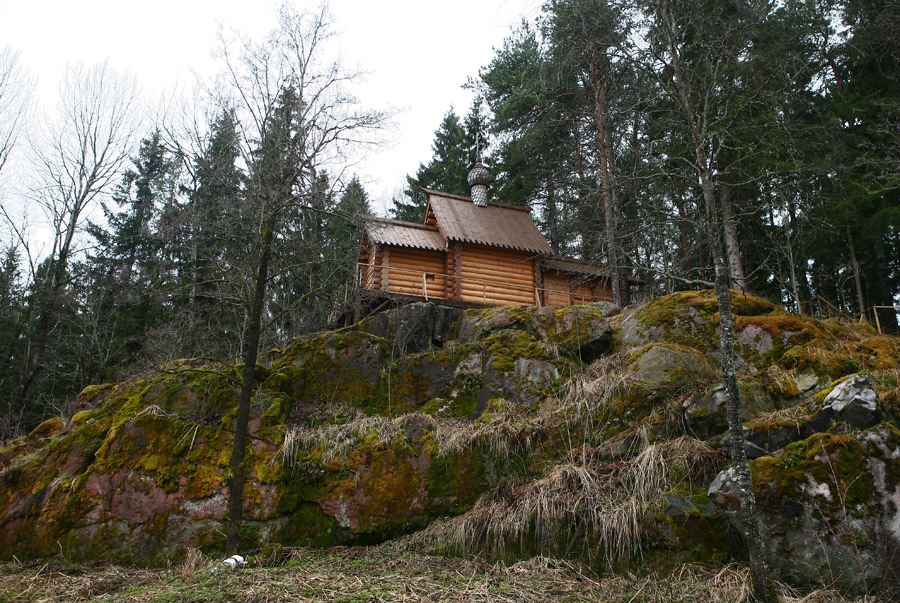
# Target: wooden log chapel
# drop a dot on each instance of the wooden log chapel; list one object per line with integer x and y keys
{"x": 471, "y": 252}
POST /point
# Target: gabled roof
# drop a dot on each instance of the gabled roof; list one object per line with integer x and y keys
{"x": 383, "y": 231}
{"x": 498, "y": 224}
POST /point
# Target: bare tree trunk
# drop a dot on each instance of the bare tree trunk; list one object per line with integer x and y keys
{"x": 248, "y": 384}
{"x": 611, "y": 209}
{"x": 747, "y": 511}
{"x": 732, "y": 246}
{"x": 792, "y": 259}
{"x": 887, "y": 318}
{"x": 48, "y": 306}
{"x": 856, "y": 277}
{"x": 748, "y": 514}
{"x": 586, "y": 210}
{"x": 552, "y": 218}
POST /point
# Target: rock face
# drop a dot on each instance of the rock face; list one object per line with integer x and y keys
{"x": 141, "y": 472}
{"x": 428, "y": 412}
{"x": 831, "y": 507}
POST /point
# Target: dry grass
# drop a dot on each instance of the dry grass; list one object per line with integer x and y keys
{"x": 501, "y": 433}
{"x": 887, "y": 384}
{"x": 594, "y": 388}
{"x": 378, "y": 574}
{"x": 795, "y": 416}
{"x": 325, "y": 443}
{"x": 579, "y": 504}
{"x": 783, "y": 381}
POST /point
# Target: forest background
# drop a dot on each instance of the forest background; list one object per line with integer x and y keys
{"x": 611, "y": 120}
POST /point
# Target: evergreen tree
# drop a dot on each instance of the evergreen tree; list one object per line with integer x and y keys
{"x": 126, "y": 297}
{"x": 453, "y": 155}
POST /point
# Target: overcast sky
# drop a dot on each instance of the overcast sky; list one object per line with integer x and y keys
{"x": 417, "y": 54}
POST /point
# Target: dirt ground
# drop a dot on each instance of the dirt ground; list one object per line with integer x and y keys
{"x": 362, "y": 574}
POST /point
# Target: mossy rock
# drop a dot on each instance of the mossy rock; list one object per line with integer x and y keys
{"x": 688, "y": 318}
{"x": 581, "y": 332}
{"x": 669, "y": 366}
{"x": 706, "y": 413}
{"x": 829, "y": 506}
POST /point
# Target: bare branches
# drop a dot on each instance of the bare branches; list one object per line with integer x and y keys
{"x": 16, "y": 87}
{"x": 82, "y": 153}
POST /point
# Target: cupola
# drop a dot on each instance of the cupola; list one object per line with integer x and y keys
{"x": 479, "y": 178}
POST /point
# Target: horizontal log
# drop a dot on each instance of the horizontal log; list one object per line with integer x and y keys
{"x": 416, "y": 283}
{"x": 413, "y": 276}
{"x": 479, "y": 285}
{"x": 497, "y": 301}
{"x": 417, "y": 264}
{"x": 494, "y": 251}
{"x": 498, "y": 263}
{"x": 472, "y": 295}
{"x": 496, "y": 271}
{"x": 496, "y": 277}
{"x": 520, "y": 291}
{"x": 512, "y": 287}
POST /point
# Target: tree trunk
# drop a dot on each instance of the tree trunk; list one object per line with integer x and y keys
{"x": 611, "y": 210}
{"x": 856, "y": 278}
{"x": 732, "y": 246}
{"x": 748, "y": 513}
{"x": 887, "y": 317}
{"x": 248, "y": 383}
{"x": 57, "y": 275}
{"x": 552, "y": 218}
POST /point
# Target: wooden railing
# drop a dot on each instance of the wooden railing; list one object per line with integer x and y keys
{"x": 381, "y": 282}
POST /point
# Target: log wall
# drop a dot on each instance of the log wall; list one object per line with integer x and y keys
{"x": 556, "y": 290}
{"x": 562, "y": 289}
{"x": 407, "y": 267}
{"x": 496, "y": 276}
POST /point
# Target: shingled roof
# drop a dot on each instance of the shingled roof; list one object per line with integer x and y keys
{"x": 497, "y": 224}
{"x": 383, "y": 231}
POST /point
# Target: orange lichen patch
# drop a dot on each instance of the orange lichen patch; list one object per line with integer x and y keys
{"x": 881, "y": 352}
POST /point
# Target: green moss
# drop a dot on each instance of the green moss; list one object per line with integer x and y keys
{"x": 309, "y": 525}
{"x": 91, "y": 392}
{"x": 820, "y": 358}
{"x": 454, "y": 483}
{"x": 48, "y": 428}
{"x": 837, "y": 460}
{"x": 819, "y": 398}
{"x": 684, "y": 318}
{"x": 505, "y": 347}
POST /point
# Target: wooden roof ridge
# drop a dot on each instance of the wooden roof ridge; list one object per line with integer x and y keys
{"x": 431, "y": 191}
{"x": 394, "y": 222}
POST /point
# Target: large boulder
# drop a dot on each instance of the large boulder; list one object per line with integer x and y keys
{"x": 667, "y": 366}
{"x": 705, "y": 413}
{"x": 830, "y": 508}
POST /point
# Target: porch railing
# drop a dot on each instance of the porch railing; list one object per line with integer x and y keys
{"x": 365, "y": 278}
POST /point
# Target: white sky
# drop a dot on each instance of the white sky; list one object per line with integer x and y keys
{"x": 417, "y": 54}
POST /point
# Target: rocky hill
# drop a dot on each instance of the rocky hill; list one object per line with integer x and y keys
{"x": 586, "y": 432}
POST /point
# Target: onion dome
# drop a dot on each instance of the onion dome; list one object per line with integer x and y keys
{"x": 479, "y": 178}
